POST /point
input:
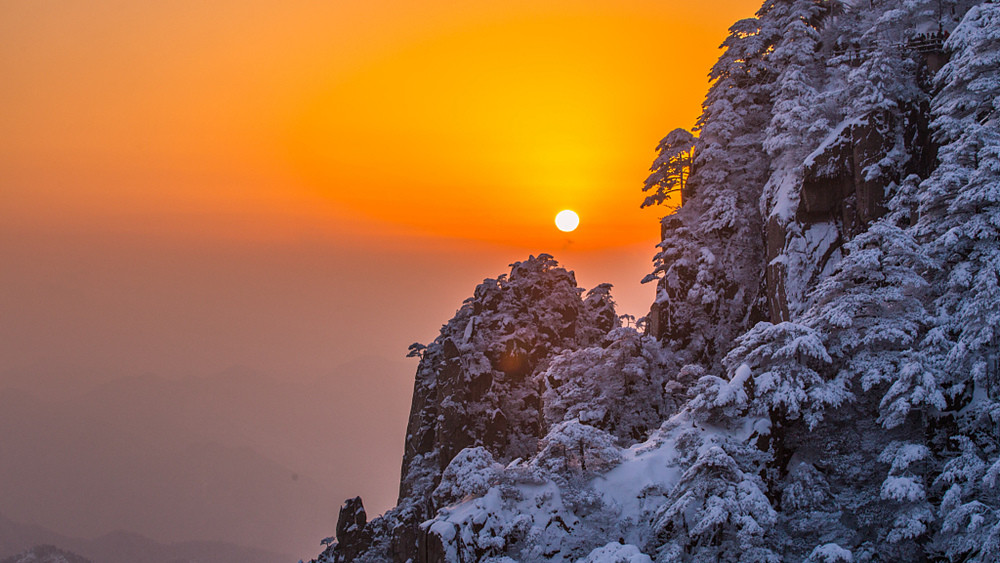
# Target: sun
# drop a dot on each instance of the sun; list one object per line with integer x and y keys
{"x": 567, "y": 220}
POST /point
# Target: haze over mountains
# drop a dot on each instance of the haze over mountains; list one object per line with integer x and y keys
{"x": 230, "y": 457}
{"x": 172, "y": 204}
{"x": 34, "y": 544}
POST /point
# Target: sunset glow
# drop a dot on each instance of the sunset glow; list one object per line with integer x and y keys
{"x": 378, "y": 119}
{"x": 302, "y": 189}
{"x": 522, "y": 112}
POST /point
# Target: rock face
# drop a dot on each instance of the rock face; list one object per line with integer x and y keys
{"x": 843, "y": 190}
{"x": 476, "y": 384}
{"x": 352, "y": 520}
{"x": 353, "y": 536}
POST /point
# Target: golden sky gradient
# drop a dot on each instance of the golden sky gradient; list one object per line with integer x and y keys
{"x": 260, "y": 121}
{"x": 298, "y": 185}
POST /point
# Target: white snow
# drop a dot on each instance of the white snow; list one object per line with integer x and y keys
{"x": 615, "y": 552}
{"x": 651, "y": 464}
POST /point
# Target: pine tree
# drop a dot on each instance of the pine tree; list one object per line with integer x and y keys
{"x": 961, "y": 203}
{"x": 960, "y": 216}
{"x": 617, "y": 387}
{"x": 671, "y": 169}
{"x": 717, "y": 512}
{"x": 798, "y": 121}
{"x": 886, "y": 77}
{"x": 786, "y": 360}
{"x": 970, "y": 530}
{"x": 871, "y": 311}
{"x": 708, "y": 269}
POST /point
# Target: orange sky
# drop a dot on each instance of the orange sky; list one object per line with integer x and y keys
{"x": 298, "y": 185}
{"x": 258, "y": 120}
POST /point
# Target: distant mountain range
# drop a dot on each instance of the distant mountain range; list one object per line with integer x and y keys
{"x": 229, "y": 457}
{"x": 26, "y": 543}
{"x": 45, "y": 554}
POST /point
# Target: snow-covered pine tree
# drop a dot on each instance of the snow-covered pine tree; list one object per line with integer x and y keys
{"x": 960, "y": 216}
{"x": 671, "y": 169}
{"x": 867, "y": 315}
{"x": 885, "y": 78}
{"x": 960, "y": 203}
{"x": 888, "y": 90}
{"x": 717, "y": 512}
{"x": 798, "y": 119}
{"x": 802, "y": 114}
{"x": 871, "y": 310}
{"x": 617, "y": 386}
{"x": 784, "y": 367}
{"x": 708, "y": 269}
{"x": 785, "y": 361}
{"x": 970, "y": 528}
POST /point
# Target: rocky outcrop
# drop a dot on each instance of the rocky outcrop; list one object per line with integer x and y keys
{"x": 843, "y": 181}
{"x": 478, "y": 385}
{"x": 842, "y": 191}
{"x": 353, "y": 536}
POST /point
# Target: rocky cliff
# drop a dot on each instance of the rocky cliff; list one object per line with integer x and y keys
{"x": 479, "y": 385}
